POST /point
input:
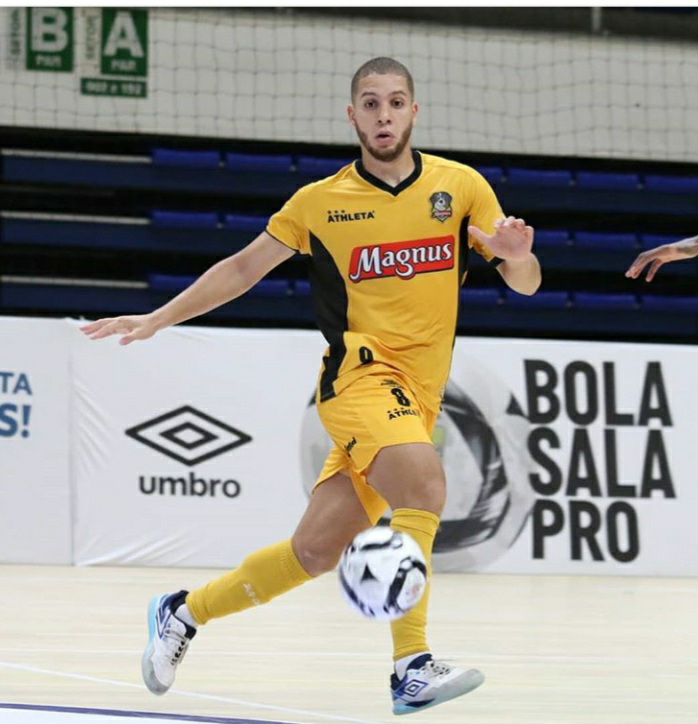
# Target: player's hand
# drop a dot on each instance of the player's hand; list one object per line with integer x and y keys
{"x": 512, "y": 239}
{"x": 654, "y": 258}
{"x": 139, "y": 326}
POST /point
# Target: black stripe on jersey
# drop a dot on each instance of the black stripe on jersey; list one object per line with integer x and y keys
{"x": 463, "y": 248}
{"x": 331, "y": 303}
{"x": 394, "y": 190}
{"x": 464, "y": 253}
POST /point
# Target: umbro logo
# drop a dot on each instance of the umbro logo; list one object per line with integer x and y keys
{"x": 161, "y": 621}
{"x": 188, "y": 435}
{"x": 411, "y": 688}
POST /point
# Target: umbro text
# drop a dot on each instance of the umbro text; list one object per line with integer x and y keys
{"x": 190, "y": 486}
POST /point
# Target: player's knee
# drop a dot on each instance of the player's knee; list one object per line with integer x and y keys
{"x": 316, "y": 556}
{"x": 435, "y": 496}
{"x": 428, "y": 495}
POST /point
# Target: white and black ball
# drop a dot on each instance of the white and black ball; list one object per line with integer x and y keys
{"x": 382, "y": 573}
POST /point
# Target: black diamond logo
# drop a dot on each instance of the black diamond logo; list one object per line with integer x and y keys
{"x": 188, "y": 436}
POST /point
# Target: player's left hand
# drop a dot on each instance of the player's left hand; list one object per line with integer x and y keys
{"x": 512, "y": 239}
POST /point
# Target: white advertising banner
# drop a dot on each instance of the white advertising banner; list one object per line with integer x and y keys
{"x": 198, "y": 447}
{"x": 186, "y": 446}
{"x": 35, "y": 514}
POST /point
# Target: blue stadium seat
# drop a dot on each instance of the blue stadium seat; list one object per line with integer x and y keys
{"x": 271, "y": 288}
{"x": 480, "y": 297}
{"x": 649, "y": 241}
{"x": 184, "y": 219}
{"x": 672, "y": 184}
{"x": 669, "y": 304}
{"x": 608, "y": 181}
{"x": 301, "y": 288}
{"x": 603, "y": 302}
{"x": 169, "y": 282}
{"x": 606, "y": 241}
{"x": 175, "y": 283}
{"x": 539, "y": 300}
{"x": 551, "y": 238}
{"x": 309, "y": 166}
{"x": 191, "y": 159}
{"x": 534, "y": 177}
{"x": 493, "y": 174}
{"x": 258, "y": 162}
{"x": 245, "y": 222}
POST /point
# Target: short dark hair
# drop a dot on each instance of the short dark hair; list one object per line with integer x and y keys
{"x": 382, "y": 66}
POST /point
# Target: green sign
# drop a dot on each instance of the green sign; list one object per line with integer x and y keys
{"x": 50, "y": 39}
{"x": 124, "y": 42}
{"x": 113, "y": 87}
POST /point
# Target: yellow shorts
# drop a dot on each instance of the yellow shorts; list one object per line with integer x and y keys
{"x": 373, "y": 412}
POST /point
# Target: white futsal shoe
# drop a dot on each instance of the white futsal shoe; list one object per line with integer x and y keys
{"x": 168, "y": 640}
{"x": 428, "y": 682}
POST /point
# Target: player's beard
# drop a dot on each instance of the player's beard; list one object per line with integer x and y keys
{"x": 389, "y": 154}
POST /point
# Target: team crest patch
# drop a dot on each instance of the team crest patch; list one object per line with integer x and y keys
{"x": 441, "y": 205}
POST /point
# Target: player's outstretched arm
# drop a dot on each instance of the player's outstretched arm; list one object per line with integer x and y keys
{"x": 512, "y": 242}
{"x": 222, "y": 283}
{"x": 654, "y": 258}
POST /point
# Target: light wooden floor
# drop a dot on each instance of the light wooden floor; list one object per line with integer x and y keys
{"x": 556, "y": 650}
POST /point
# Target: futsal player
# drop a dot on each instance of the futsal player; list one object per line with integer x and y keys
{"x": 388, "y": 239}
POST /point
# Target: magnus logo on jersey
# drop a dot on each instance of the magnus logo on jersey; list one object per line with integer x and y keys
{"x": 188, "y": 435}
{"x": 441, "y": 206}
{"x": 402, "y": 259}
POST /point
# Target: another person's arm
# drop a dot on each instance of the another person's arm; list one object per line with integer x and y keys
{"x": 221, "y": 283}
{"x": 684, "y": 249}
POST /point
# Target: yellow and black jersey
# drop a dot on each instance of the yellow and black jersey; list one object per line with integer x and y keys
{"x": 387, "y": 264}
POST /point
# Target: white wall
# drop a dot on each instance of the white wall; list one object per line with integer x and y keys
{"x": 237, "y": 74}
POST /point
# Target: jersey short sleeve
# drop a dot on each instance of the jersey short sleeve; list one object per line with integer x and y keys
{"x": 484, "y": 211}
{"x": 289, "y": 226}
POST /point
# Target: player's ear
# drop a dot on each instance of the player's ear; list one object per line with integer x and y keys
{"x": 415, "y": 108}
{"x": 351, "y": 115}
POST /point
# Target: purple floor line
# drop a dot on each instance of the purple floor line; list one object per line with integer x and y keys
{"x": 138, "y": 714}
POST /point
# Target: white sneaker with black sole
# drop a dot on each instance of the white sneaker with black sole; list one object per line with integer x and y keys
{"x": 427, "y": 683}
{"x": 168, "y": 641}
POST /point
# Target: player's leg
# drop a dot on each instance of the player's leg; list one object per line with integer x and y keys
{"x": 333, "y": 517}
{"x": 386, "y": 433}
{"x": 411, "y": 479}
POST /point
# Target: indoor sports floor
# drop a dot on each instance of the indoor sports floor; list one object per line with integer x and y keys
{"x": 556, "y": 650}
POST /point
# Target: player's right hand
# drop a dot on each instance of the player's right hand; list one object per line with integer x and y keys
{"x": 139, "y": 326}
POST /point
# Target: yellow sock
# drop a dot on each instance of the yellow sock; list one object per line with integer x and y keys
{"x": 263, "y": 575}
{"x": 409, "y": 632}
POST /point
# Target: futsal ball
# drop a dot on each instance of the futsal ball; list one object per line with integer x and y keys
{"x": 382, "y": 573}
